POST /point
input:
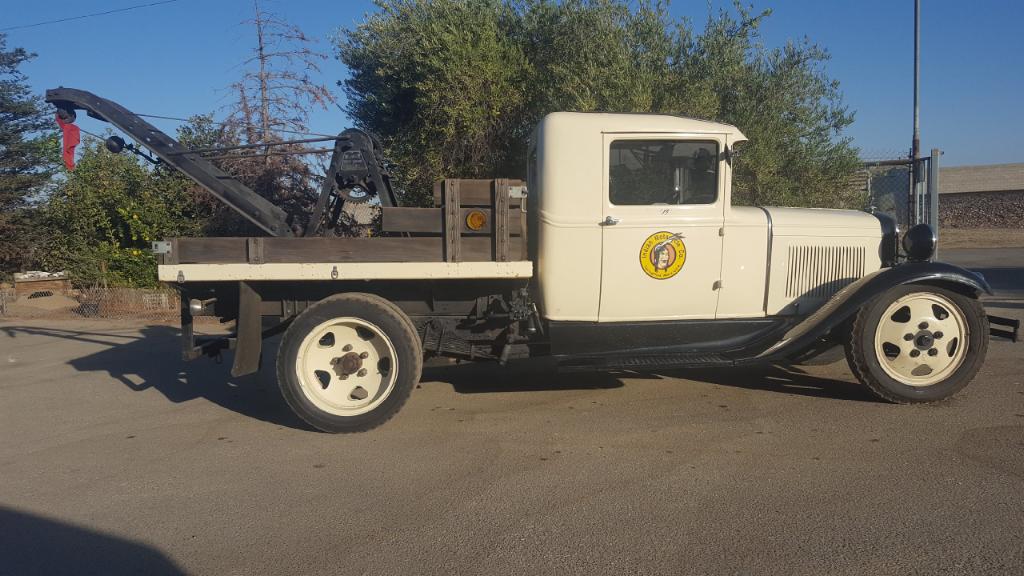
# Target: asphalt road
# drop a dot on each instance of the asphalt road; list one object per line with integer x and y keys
{"x": 117, "y": 458}
{"x": 1002, "y": 267}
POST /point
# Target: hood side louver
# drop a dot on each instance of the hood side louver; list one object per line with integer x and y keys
{"x": 821, "y": 271}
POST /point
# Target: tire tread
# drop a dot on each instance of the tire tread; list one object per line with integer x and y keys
{"x": 401, "y": 393}
{"x": 857, "y": 355}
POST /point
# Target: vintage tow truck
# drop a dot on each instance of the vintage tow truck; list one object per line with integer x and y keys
{"x": 621, "y": 251}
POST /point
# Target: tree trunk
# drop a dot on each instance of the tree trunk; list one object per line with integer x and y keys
{"x": 264, "y": 91}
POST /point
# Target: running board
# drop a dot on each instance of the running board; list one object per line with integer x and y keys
{"x": 643, "y": 362}
{"x": 1011, "y": 323}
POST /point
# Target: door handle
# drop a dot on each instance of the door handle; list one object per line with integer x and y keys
{"x": 609, "y": 221}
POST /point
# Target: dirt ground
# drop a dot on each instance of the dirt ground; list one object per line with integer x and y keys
{"x": 981, "y": 238}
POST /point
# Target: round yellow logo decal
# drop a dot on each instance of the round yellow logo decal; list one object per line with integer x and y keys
{"x": 663, "y": 255}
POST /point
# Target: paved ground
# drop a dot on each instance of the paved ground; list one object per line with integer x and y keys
{"x": 1002, "y": 267}
{"x": 117, "y": 458}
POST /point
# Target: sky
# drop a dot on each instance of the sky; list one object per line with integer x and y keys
{"x": 177, "y": 59}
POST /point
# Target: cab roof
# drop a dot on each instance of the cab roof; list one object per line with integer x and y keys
{"x": 640, "y": 122}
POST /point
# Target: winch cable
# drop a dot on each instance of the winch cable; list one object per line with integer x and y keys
{"x": 260, "y": 145}
{"x": 87, "y": 133}
{"x": 219, "y": 123}
{"x": 245, "y": 156}
{"x": 156, "y": 161}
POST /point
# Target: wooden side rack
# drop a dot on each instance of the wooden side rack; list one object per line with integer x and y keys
{"x": 439, "y": 234}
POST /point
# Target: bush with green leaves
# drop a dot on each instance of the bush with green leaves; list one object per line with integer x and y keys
{"x": 455, "y": 87}
{"x": 104, "y": 215}
{"x": 29, "y": 153}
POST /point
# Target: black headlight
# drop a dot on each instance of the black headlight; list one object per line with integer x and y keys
{"x": 919, "y": 243}
{"x": 889, "y": 250}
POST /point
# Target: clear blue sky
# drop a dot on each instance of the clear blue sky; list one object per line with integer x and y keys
{"x": 176, "y": 60}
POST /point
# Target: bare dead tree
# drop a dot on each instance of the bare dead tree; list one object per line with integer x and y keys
{"x": 278, "y": 72}
{"x": 274, "y": 97}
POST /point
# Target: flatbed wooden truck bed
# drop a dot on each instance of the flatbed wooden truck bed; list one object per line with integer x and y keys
{"x": 476, "y": 236}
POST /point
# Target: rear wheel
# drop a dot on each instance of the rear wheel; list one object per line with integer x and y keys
{"x": 349, "y": 362}
{"x": 918, "y": 343}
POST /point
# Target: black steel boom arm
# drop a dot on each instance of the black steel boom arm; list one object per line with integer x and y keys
{"x": 239, "y": 197}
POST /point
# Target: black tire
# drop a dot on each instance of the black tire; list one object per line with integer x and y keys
{"x": 391, "y": 321}
{"x": 866, "y": 366}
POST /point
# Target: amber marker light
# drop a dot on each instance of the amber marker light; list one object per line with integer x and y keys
{"x": 476, "y": 220}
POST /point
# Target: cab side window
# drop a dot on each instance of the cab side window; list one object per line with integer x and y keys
{"x": 646, "y": 172}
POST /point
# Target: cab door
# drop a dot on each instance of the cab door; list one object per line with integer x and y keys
{"x": 662, "y": 228}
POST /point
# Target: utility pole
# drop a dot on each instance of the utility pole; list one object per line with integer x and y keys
{"x": 913, "y": 205}
{"x": 915, "y": 150}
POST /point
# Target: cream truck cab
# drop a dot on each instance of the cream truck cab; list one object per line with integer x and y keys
{"x": 622, "y": 250}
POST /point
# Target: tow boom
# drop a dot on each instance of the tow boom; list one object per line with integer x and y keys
{"x": 239, "y": 197}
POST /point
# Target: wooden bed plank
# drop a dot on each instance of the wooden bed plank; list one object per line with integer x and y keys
{"x": 285, "y": 250}
{"x": 210, "y": 250}
{"x": 451, "y": 196}
{"x": 475, "y": 192}
{"x": 429, "y": 221}
{"x": 501, "y": 210}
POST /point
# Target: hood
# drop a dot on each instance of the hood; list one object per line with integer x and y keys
{"x": 821, "y": 222}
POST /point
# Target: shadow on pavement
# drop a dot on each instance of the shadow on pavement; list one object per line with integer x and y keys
{"x": 36, "y": 545}
{"x": 522, "y": 376}
{"x": 152, "y": 360}
{"x": 529, "y": 376}
{"x": 789, "y": 380}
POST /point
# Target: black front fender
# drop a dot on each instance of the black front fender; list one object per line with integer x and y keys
{"x": 847, "y": 301}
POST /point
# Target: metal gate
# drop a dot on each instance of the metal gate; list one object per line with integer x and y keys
{"x": 906, "y": 189}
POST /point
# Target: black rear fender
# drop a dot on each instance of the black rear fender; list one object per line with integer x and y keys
{"x": 847, "y": 301}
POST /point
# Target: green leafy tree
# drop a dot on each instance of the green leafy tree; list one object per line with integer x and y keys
{"x": 595, "y": 55}
{"x": 782, "y": 100}
{"x": 217, "y": 218}
{"x": 107, "y": 212}
{"x": 454, "y": 87}
{"x": 444, "y": 83}
{"x": 28, "y": 159}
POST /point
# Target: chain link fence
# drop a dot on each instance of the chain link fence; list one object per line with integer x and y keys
{"x": 159, "y": 305}
{"x": 893, "y": 188}
{"x": 888, "y": 187}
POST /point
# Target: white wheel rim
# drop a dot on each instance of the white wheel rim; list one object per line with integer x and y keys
{"x": 921, "y": 339}
{"x": 347, "y": 366}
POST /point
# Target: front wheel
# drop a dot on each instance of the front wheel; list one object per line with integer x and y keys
{"x": 349, "y": 362}
{"x": 918, "y": 343}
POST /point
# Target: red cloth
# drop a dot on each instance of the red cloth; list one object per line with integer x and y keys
{"x": 72, "y": 137}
